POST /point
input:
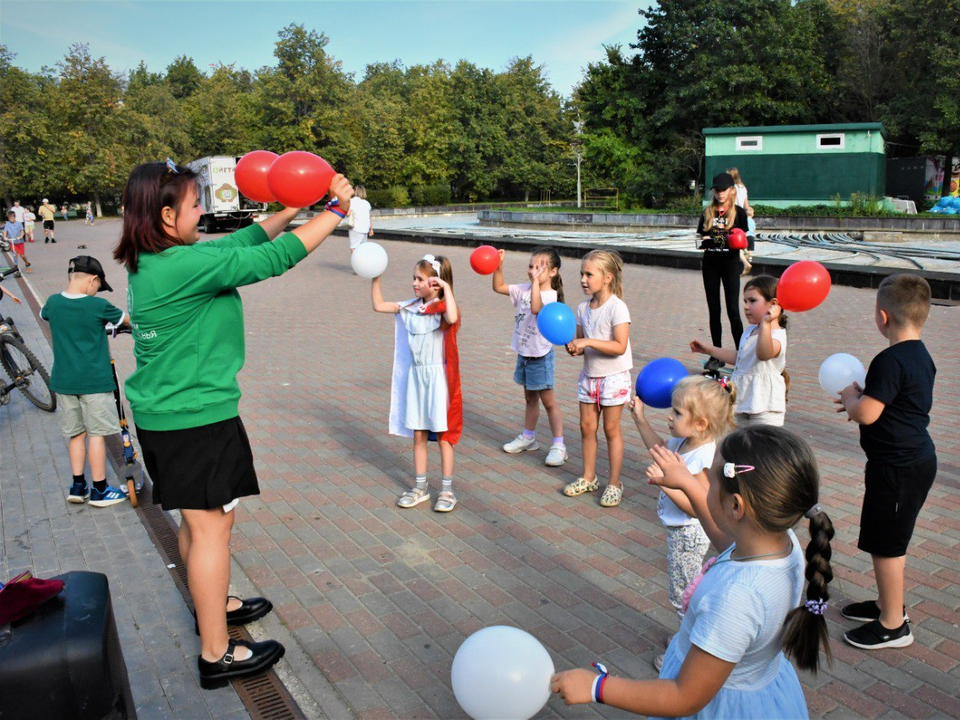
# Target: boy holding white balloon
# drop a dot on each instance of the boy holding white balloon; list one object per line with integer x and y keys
{"x": 893, "y": 411}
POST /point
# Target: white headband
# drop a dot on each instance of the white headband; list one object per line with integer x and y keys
{"x": 433, "y": 263}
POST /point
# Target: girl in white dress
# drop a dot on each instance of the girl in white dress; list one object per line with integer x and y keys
{"x": 759, "y": 371}
{"x": 425, "y": 400}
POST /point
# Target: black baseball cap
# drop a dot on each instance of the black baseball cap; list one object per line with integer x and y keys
{"x": 722, "y": 181}
{"x": 91, "y": 266}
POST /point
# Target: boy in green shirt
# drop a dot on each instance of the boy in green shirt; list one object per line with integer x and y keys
{"x": 82, "y": 376}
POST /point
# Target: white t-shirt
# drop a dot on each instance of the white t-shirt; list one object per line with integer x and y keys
{"x": 28, "y": 217}
{"x": 527, "y": 340}
{"x": 598, "y": 324}
{"x": 741, "y": 194}
{"x": 696, "y": 460}
{"x": 18, "y": 212}
{"x": 361, "y": 215}
{"x": 760, "y": 384}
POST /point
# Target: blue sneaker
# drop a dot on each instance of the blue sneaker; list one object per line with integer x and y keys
{"x": 110, "y": 496}
{"x": 78, "y": 493}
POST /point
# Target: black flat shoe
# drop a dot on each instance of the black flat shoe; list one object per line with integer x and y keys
{"x": 250, "y": 609}
{"x": 263, "y": 656}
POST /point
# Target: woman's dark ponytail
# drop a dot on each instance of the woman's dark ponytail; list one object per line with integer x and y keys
{"x": 805, "y": 630}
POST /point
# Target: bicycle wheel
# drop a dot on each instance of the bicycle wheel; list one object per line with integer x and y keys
{"x": 26, "y": 371}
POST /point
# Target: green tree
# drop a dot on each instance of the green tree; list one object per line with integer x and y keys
{"x": 184, "y": 77}
{"x": 221, "y": 115}
{"x": 479, "y": 132}
{"x": 302, "y": 101}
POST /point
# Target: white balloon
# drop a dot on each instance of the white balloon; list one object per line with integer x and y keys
{"x": 369, "y": 260}
{"x": 501, "y": 673}
{"x": 840, "y": 370}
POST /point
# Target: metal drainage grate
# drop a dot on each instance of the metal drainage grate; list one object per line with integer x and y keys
{"x": 264, "y": 696}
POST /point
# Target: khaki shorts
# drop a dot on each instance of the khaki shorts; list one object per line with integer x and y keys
{"x": 94, "y": 414}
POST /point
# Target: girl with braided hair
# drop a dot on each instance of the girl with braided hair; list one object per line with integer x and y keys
{"x": 747, "y": 610}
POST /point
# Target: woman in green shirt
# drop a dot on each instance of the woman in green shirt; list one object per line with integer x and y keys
{"x": 187, "y": 322}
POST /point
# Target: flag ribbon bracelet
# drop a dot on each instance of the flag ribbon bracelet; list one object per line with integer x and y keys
{"x": 598, "y": 682}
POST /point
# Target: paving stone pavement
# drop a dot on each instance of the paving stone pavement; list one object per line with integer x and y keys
{"x": 381, "y": 598}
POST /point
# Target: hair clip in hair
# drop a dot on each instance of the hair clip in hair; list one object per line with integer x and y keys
{"x": 433, "y": 263}
{"x": 730, "y": 470}
{"x": 814, "y": 511}
{"x": 817, "y": 607}
{"x": 725, "y": 383}
{"x": 172, "y": 167}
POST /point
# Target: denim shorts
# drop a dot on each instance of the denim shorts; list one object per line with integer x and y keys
{"x": 535, "y": 373}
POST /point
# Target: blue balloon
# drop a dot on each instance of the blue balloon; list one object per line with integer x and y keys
{"x": 657, "y": 380}
{"x": 944, "y": 201}
{"x": 557, "y": 323}
{"x": 936, "y": 209}
{"x": 955, "y": 202}
{"x": 950, "y": 211}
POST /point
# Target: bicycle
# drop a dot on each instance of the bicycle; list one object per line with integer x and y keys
{"x": 28, "y": 374}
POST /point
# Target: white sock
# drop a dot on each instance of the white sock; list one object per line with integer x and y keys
{"x": 421, "y": 482}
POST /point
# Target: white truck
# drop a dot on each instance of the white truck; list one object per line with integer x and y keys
{"x": 222, "y": 204}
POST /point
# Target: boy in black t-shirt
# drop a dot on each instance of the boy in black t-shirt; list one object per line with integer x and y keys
{"x": 893, "y": 410}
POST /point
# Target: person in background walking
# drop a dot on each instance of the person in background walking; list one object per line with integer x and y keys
{"x": 743, "y": 200}
{"x": 47, "y": 213}
{"x": 362, "y": 225}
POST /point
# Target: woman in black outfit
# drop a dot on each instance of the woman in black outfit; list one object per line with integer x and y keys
{"x": 721, "y": 263}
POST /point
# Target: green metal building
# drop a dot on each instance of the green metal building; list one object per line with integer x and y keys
{"x": 801, "y": 164}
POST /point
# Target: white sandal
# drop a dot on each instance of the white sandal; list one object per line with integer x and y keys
{"x": 446, "y": 501}
{"x": 413, "y": 497}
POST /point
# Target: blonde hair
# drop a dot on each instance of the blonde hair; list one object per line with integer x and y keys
{"x": 710, "y": 212}
{"x": 360, "y": 191}
{"x": 905, "y": 298}
{"x": 735, "y": 174}
{"x": 609, "y": 261}
{"x": 445, "y": 274}
{"x": 706, "y": 399}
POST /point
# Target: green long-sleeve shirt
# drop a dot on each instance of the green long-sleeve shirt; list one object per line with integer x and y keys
{"x": 187, "y": 320}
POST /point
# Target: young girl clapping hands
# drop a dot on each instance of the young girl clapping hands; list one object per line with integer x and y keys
{"x": 746, "y": 611}
{"x": 702, "y": 411}
{"x": 603, "y": 339}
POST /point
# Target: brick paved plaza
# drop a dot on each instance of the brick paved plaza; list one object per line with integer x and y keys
{"x": 381, "y": 598}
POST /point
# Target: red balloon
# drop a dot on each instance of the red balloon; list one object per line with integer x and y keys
{"x": 485, "y": 260}
{"x": 803, "y": 286}
{"x": 737, "y": 239}
{"x": 299, "y": 179}
{"x": 251, "y": 175}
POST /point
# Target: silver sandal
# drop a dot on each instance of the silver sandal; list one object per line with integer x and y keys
{"x": 446, "y": 501}
{"x": 413, "y": 497}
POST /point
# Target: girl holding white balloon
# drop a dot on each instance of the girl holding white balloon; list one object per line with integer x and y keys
{"x": 702, "y": 411}
{"x": 603, "y": 339}
{"x": 747, "y": 610}
{"x": 425, "y": 399}
{"x": 535, "y": 356}
{"x": 760, "y": 363}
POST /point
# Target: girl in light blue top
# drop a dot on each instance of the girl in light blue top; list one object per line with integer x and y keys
{"x": 745, "y": 611}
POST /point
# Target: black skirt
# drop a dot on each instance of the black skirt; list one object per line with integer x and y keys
{"x": 199, "y": 468}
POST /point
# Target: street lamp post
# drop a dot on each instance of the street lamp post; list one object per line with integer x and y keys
{"x": 578, "y": 149}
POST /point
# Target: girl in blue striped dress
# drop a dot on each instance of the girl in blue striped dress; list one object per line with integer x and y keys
{"x": 745, "y": 612}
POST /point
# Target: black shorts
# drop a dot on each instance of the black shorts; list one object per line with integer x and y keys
{"x": 199, "y": 468}
{"x": 891, "y": 503}
{"x": 48, "y": 224}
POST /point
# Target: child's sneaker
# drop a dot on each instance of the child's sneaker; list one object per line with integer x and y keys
{"x": 557, "y": 456}
{"x": 866, "y": 611}
{"x": 874, "y": 636}
{"x": 78, "y": 493}
{"x": 110, "y": 496}
{"x": 521, "y": 443}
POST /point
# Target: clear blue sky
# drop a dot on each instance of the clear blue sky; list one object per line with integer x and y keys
{"x": 562, "y": 35}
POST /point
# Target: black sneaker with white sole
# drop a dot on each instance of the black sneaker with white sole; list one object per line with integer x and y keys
{"x": 874, "y": 636}
{"x": 866, "y": 611}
